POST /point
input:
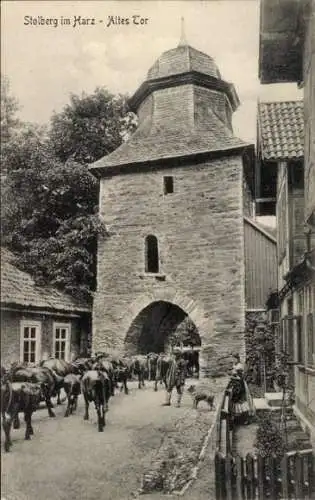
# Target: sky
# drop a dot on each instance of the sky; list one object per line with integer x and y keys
{"x": 46, "y": 63}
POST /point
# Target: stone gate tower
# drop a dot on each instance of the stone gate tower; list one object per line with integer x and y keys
{"x": 172, "y": 199}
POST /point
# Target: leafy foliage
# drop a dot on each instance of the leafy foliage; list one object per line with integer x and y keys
{"x": 9, "y": 120}
{"x": 186, "y": 332}
{"x": 269, "y": 440}
{"x": 50, "y": 201}
{"x": 260, "y": 348}
{"x": 91, "y": 126}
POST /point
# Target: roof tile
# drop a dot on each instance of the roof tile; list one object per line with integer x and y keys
{"x": 281, "y": 130}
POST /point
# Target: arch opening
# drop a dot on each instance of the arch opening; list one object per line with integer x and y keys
{"x": 158, "y": 327}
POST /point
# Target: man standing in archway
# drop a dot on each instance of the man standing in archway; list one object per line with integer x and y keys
{"x": 175, "y": 377}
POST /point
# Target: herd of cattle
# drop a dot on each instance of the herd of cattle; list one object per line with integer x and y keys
{"x": 23, "y": 388}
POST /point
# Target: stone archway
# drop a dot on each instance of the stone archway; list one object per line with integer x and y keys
{"x": 158, "y": 326}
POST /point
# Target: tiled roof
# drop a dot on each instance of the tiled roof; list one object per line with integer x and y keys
{"x": 181, "y": 59}
{"x": 18, "y": 287}
{"x": 281, "y": 130}
{"x": 151, "y": 144}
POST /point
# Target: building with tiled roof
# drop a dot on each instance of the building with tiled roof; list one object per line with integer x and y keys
{"x": 173, "y": 198}
{"x": 286, "y": 148}
{"x": 280, "y": 137}
{"x": 36, "y": 321}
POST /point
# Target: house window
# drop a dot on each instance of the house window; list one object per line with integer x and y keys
{"x": 62, "y": 341}
{"x": 151, "y": 254}
{"x": 168, "y": 183}
{"x": 30, "y": 341}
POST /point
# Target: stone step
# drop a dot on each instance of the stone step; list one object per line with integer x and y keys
{"x": 274, "y": 398}
{"x": 261, "y": 405}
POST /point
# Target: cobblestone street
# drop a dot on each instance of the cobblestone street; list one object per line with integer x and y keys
{"x": 69, "y": 459}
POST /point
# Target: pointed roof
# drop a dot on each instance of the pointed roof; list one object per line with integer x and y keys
{"x": 147, "y": 146}
{"x": 183, "y": 59}
{"x": 205, "y": 131}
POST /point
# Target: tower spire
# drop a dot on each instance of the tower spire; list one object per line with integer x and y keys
{"x": 182, "y": 41}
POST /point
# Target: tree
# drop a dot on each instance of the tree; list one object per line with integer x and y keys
{"x": 9, "y": 120}
{"x": 50, "y": 200}
{"x": 49, "y": 215}
{"x": 91, "y": 126}
{"x": 260, "y": 351}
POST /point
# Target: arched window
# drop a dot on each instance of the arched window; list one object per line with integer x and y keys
{"x": 151, "y": 254}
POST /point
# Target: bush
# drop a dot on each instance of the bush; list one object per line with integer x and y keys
{"x": 269, "y": 441}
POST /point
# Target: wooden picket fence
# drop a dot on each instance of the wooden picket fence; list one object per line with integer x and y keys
{"x": 254, "y": 477}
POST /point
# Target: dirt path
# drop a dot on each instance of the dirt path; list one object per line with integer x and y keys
{"x": 68, "y": 459}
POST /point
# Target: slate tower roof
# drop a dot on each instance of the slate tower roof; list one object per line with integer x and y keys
{"x": 182, "y": 59}
{"x": 184, "y": 108}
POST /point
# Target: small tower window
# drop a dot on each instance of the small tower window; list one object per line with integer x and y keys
{"x": 168, "y": 182}
{"x": 151, "y": 254}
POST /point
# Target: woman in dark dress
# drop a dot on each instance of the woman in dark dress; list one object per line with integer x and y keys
{"x": 242, "y": 403}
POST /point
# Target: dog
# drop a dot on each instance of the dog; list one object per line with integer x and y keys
{"x": 200, "y": 394}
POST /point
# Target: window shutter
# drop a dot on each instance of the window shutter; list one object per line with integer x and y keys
{"x": 310, "y": 339}
{"x": 300, "y": 340}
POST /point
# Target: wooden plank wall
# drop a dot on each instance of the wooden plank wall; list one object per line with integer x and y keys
{"x": 260, "y": 265}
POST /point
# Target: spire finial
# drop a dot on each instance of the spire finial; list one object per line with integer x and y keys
{"x": 182, "y": 41}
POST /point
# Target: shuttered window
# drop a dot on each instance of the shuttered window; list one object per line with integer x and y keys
{"x": 310, "y": 339}
{"x": 299, "y": 340}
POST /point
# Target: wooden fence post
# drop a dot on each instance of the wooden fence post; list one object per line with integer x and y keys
{"x": 311, "y": 475}
{"x": 240, "y": 486}
{"x": 261, "y": 477}
{"x": 273, "y": 464}
{"x": 285, "y": 476}
{"x": 299, "y": 476}
{"x": 220, "y": 482}
{"x": 218, "y": 478}
{"x": 250, "y": 473}
{"x": 229, "y": 476}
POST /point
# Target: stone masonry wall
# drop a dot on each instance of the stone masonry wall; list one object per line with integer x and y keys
{"x": 201, "y": 245}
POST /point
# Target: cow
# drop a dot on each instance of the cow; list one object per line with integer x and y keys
{"x": 72, "y": 388}
{"x": 122, "y": 368}
{"x": 140, "y": 368}
{"x": 152, "y": 358}
{"x": 18, "y": 397}
{"x": 192, "y": 358}
{"x": 3, "y": 373}
{"x": 48, "y": 380}
{"x": 61, "y": 368}
{"x": 103, "y": 363}
{"x": 162, "y": 366}
{"x": 81, "y": 365}
{"x": 95, "y": 387}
